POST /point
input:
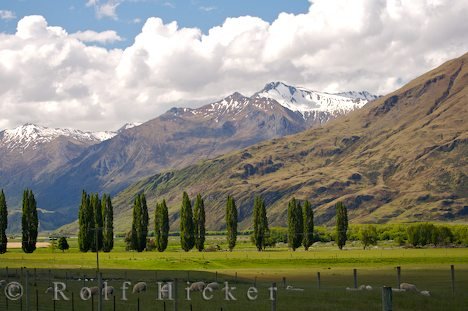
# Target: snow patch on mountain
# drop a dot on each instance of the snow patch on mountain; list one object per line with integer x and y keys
{"x": 307, "y": 101}
{"x": 32, "y": 135}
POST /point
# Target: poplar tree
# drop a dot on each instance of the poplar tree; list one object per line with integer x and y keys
{"x": 108, "y": 224}
{"x": 161, "y": 226}
{"x": 136, "y": 224}
{"x": 295, "y": 224}
{"x": 199, "y": 223}
{"x": 187, "y": 238}
{"x": 84, "y": 225}
{"x": 144, "y": 222}
{"x": 308, "y": 215}
{"x": 231, "y": 222}
{"x": 29, "y": 222}
{"x": 3, "y": 223}
{"x": 140, "y": 223}
{"x": 261, "y": 231}
{"x": 341, "y": 224}
{"x": 91, "y": 224}
{"x": 98, "y": 223}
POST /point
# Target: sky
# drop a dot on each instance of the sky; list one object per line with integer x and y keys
{"x": 97, "y": 64}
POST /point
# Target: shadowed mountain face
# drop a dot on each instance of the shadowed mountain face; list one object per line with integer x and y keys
{"x": 402, "y": 157}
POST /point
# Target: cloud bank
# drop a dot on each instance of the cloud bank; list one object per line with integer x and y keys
{"x": 58, "y": 79}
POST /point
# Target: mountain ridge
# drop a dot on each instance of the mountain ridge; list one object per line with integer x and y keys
{"x": 401, "y": 158}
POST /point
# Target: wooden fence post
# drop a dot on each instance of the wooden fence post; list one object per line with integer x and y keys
{"x": 273, "y": 302}
{"x": 175, "y": 294}
{"x": 318, "y": 280}
{"x": 398, "y": 270}
{"x": 452, "y": 270}
{"x": 355, "y": 277}
{"x": 387, "y": 299}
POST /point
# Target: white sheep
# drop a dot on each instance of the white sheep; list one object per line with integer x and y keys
{"x": 289, "y": 287}
{"x": 409, "y": 287}
{"x": 139, "y": 287}
{"x": 94, "y": 291}
{"x": 362, "y": 287}
{"x": 425, "y": 293}
{"x": 213, "y": 285}
{"x": 165, "y": 291}
{"x": 398, "y": 290}
{"x": 197, "y": 286}
{"x": 108, "y": 291}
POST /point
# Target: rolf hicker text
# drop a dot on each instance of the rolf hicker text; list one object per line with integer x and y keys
{"x": 164, "y": 291}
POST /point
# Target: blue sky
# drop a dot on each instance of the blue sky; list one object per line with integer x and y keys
{"x": 81, "y": 15}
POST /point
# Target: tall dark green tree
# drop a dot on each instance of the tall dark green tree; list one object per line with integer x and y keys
{"x": 144, "y": 221}
{"x": 231, "y": 222}
{"x": 260, "y": 224}
{"x": 134, "y": 241}
{"x": 29, "y": 222}
{"x": 3, "y": 223}
{"x": 308, "y": 215}
{"x": 199, "y": 223}
{"x": 107, "y": 223}
{"x": 187, "y": 236}
{"x": 98, "y": 223}
{"x": 295, "y": 224}
{"x": 161, "y": 226}
{"x": 139, "y": 231}
{"x": 341, "y": 224}
{"x": 84, "y": 235}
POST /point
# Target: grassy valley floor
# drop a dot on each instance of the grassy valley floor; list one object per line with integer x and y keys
{"x": 428, "y": 268}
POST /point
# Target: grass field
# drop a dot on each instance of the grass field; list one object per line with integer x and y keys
{"x": 428, "y": 268}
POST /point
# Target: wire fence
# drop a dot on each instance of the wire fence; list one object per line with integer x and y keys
{"x": 272, "y": 292}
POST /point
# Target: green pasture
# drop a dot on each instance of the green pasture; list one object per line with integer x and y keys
{"x": 428, "y": 268}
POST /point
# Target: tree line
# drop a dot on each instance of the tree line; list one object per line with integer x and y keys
{"x": 96, "y": 223}
{"x": 192, "y": 224}
{"x": 192, "y": 228}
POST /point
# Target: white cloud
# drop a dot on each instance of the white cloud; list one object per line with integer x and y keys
{"x": 7, "y": 15}
{"x": 54, "y": 78}
{"x": 207, "y": 8}
{"x": 169, "y": 4}
{"x": 108, "y": 36}
{"x": 106, "y": 9}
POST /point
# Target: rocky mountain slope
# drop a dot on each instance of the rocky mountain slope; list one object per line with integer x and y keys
{"x": 402, "y": 157}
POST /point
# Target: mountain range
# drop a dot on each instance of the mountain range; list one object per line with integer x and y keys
{"x": 58, "y": 163}
{"x": 400, "y": 158}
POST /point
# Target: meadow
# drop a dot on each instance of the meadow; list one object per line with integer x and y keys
{"x": 428, "y": 268}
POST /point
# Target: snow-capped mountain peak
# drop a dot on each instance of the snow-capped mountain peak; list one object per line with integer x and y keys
{"x": 31, "y": 135}
{"x": 127, "y": 126}
{"x": 309, "y": 103}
